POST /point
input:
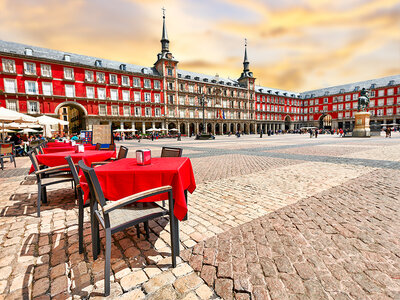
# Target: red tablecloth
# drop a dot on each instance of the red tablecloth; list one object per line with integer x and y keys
{"x": 66, "y": 148}
{"x": 58, "y": 144}
{"x": 58, "y": 158}
{"x": 124, "y": 177}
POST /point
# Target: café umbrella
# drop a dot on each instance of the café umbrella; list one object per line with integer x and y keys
{"x": 10, "y": 116}
{"x": 47, "y": 121}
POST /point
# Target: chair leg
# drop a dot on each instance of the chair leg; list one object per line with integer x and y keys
{"x": 94, "y": 227}
{"x": 15, "y": 164}
{"x": 39, "y": 196}
{"x": 146, "y": 227}
{"x": 2, "y": 163}
{"x": 44, "y": 195}
{"x": 173, "y": 231}
{"x": 80, "y": 224}
{"x": 107, "y": 263}
{"x": 138, "y": 231}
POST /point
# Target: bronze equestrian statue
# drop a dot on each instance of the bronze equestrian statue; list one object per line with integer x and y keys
{"x": 363, "y": 100}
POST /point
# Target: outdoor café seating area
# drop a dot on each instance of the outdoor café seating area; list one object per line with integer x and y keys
{"x": 118, "y": 191}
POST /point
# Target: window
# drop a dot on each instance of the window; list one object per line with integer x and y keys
{"x": 311, "y": 110}
{"x": 90, "y": 92}
{"x": 325, "y": 100}
{"x": 389, "y": 101}
{"x": 65, "y": 111}
{"x": 355, "y": 105}
{"x": 136, "y": 82}
{"x": 182, "y": 100}
{"x": 372, "y": 93}
{"x": 47, "y": 88}
{"x": 101, "y": 93}
{"x": 45, "y": 70}
{"x": 113, "y": 79}
{"x": 340, "y": 115}
{"x": 157, "y": 112}
{"x": 138, "y": 111}
{"x": 147, "y": 97}
{"x": 114, "y": 94}
{"x": 100, "y": 77}
{"x": 379, "y": 112}
{"x": 348, "y": 97}
{"x": 311, "y": 102}
{"x": 316, "y": 109}
{"x": 10, "y": 85}
{"x": 69, "y": 90}
{"x": 372, "y": 103}
{"x": 125, "y": 80}
{"x": 157, "y": 85}
{"x": 316, "y": 101}
{"x": 68, "y": 73}
{"x": 31, "y": 87}
{"x": 390, "y": 92}
{"x": 102, "y": 109}
{"x": 170, "y": 85}
{"x": 347, "y": 114}
{"x": 191, "y": 88}
{"x": 372, "y": 112}
{"x": 33, "y": 107}
{"x": 389, "y": 111}
{"x": 29, "y": 68}
{"x": 355, "y": 96}
{"x": 114, "y": 110}
{"x": 136, "y": 96}
{"x": 148, "y": 111}
{"x": 157, "y": 98}
{"x": 325, "y": 108}
{"x": 125, "y": 95}
{"x": 381, "y": 93}
{"x": 9, "y": 66}
{"x": 147, "y": 83}
{"x": 127, "y": 111}
{"x": 348, "y": 105}
{"x": 340, "y": 98}
{"x": 89, "y": 76}
{"x": 169, "y": 72}
{"x": 334, "y": 107}
{"x": 381, "y": 102}
{"x": 12, "y": 105}
{"x": 171, "y": 99}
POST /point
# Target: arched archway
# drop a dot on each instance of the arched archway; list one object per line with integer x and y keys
{"x": 192, "y": 129}
{"x": 217, "y": 129}
{"x": 288, "y": 121}
{"x": 325, "y": 121}
{"x": 232, "y": 129}
{"x": 252, "y": 129}
{"x": 200, "y": 128}
{"x": 209, "y": 128}
{"x": 171, "y": 126}
{"x": 182, "y": 128}
{"x": 238, "y": 127}
{"x": 224, "y": 128}
{"x": 245, "y": 128}
{"x": 73, "y": 112}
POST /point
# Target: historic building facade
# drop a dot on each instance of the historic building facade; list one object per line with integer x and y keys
{"x": 87, "y": 90}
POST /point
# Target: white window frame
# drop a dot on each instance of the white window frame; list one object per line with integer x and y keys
{"x": 27, "y": 90}
{"x": 113, "y": 94}
{"x": 127, "y": 110}
{"x": 381, "y": 93}
{"x": 27, "y": 66}
{"x": 11, "y": 103}
{"x": 136, "y": 82}
{"x": 100, "y": 93}
{"x": 45, "y": 90}
{"x": 114, "y": 110}
{"x": 30, "y": 111}
{"x": 138, "y": 111}
{"x": 6, "y": 86}
{"x": 157, "y": 112}
{"x": 136, "y": 96}
{"x": 125, "y": 80}
{"x": 381, "y": 102}
{"x": 67, "y": 86}
{"x": 114, "y": 79}
{"x": 147, "y": 97}
{"x": 157, "y": 84}
{"x": 91, "y": 94}
{"x": 157, "y": 98}
{"x": 125, "y": 95}
{"x": 89, "y": 76}
{"x": 66, "y": 73}
{"x": 389, "y": 101}
{"x": 147, "y": 83}
{"x": 355, "y": 96}
{"x": 348, "y": 97}
{"x": 100, "y": 77}
{"x": 9, "y": 66}
{"x": 147, "y": 111}
{"x": 104, "y": 108}
{"x": 45, "y": 72}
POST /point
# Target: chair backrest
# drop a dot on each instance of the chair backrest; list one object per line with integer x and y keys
{"x": 93, "y": 183}
{"x": 40, "y": 148}
{"x": 123, "y": 152}
{"x": 34, "y": 143}
{"x": 98, "y": 146}
{"x": 73, "y": 169}
{"x": 35, "y": 163}
{"x": 6, "y": 149}
{"x": 111, "y": 147}
{"x": 171, "y": 152}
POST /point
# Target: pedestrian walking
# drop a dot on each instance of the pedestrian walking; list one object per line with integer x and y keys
{"x": 316, "y": 133}
{"x": 261, "y": 133}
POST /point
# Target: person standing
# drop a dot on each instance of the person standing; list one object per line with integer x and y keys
{"x": 261, "y": 133}
{"x": 316, "y": 133}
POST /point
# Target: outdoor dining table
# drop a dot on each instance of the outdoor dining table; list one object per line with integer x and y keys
{"x": 58, "y": 144}
{"x": 125, "y": 177}
{"x": 58, "y": 158}
{"x": 66, "y": 148}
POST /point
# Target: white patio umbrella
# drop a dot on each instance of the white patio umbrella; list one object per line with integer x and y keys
{"x": 130, "y": 130}
{"x": 29, "y": 130}
{"x": 151, "y": 129}
{"x": 173, "y": 129}
{"x": 47, "y": 121}
{"x": 119, "y": 130}
{"x": 9, "y": 116}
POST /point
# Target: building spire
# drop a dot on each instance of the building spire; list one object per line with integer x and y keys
{"x": 164, "y": 38}
{"x": 245, "y": 61}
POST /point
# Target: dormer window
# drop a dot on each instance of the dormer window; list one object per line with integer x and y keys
{"x": 98, "y": 63}
{"x": 28, "y": 52}
{"x": 122, "y": 67}
{"x": 356, "y": 88}
{"x": 341, "y": 91}
{"x": 67, "y": 57}
{"x": 391, "y": 82}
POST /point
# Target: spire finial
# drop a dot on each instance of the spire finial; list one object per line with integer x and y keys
{"x": 245, "y": 42}
{"x": 163, "y": 11}
{"x": 164, "y": 36}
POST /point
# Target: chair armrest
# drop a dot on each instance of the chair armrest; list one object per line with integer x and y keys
{"x": 100, "y": 163}
{"x": 135, "y": 197}
{"x": 52, "y": 169}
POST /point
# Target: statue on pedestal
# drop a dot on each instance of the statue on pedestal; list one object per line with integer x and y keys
{"x": 363, "y": 100}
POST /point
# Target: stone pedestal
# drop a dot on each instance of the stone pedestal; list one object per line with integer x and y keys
{"x": 361, "y": 128}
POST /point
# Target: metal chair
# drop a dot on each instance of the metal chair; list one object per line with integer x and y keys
{"x": 122, "y": 153}
{"x": 171, "y": 152}
{"x": 7, "y": 151}
{"x": 79, "y": 195}
{"x": 98, "y": 146}
{"x": 46, "y": 177}
{"x": 115, "y": 216}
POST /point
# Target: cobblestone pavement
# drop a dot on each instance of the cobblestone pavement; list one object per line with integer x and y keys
{"x": 283, "y": 217}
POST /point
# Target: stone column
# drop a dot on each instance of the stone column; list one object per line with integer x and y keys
{"x": 143, "y": 127}
{"x": 188, "y": 129}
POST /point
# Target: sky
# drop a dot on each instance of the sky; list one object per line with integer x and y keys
{"x": 295, "y": 45}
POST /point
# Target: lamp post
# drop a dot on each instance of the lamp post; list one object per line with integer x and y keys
{"x": 203, "y": 102}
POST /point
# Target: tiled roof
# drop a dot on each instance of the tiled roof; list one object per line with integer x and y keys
{"x": 276, "y": 92}
{"x": 200, "y": 77}
{"x": 16, "y": 48}
{"x": 352, "y": 87}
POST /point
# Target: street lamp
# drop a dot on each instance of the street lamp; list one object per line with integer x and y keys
{"x": 203, "y": 102}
